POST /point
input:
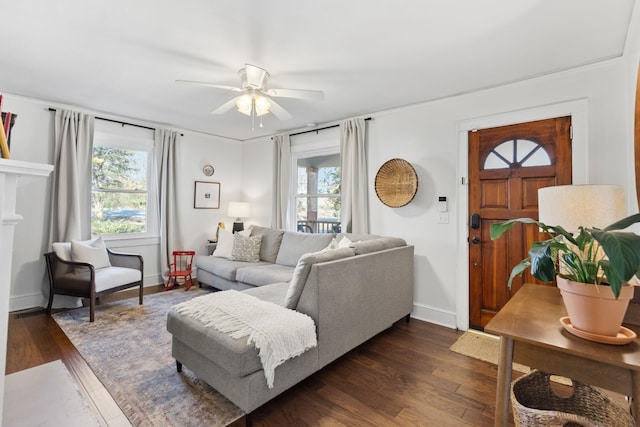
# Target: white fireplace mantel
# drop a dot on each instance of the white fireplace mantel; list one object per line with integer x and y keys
{"x": 11, "y": 172}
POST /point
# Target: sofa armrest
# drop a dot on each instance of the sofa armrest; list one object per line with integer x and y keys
{"x": 353, "y": 299}
{"x": 127, "y": 260}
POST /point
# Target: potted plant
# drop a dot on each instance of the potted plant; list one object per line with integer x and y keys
{"x": 598, "y": 262}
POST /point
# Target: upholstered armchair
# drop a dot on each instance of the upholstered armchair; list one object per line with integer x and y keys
{"x": 90, "y": 270}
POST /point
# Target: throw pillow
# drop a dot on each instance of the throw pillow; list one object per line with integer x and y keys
{"x": 301, "y": 272}
{"x": 345, "y": 242}
{"x": 246, "y": 248}
{"x": 224, "y": 245}
{"x": 93, "y": 252}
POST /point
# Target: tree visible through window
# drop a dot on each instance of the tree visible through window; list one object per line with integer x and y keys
{"x": 318, "y": 203}
{"x": 119, "y": 195}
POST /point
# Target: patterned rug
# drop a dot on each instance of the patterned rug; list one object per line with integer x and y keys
{"x": 129, "y": 349}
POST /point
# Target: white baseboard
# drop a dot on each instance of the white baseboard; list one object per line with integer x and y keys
{"x": 434, "y": 315}
{"x": 37, "y": 299}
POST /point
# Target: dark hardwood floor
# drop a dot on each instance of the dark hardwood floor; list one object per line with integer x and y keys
{"x": 405, "y": 376}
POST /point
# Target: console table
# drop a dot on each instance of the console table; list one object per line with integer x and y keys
{"x": 530, "y": 333}
{"x": 10, "y": 172}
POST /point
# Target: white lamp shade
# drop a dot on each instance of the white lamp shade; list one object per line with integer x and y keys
{"x": 239, "y": 209}
{"x": 571, "y": 206}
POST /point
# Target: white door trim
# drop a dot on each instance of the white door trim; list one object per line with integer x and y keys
{"x": 577, "y": 109}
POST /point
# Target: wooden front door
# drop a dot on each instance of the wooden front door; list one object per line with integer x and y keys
{"x": 507, "y": 165}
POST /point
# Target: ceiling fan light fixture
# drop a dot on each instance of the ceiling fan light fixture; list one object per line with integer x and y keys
{"x": 262, "y": 105}
{"x": 245, "y": 104}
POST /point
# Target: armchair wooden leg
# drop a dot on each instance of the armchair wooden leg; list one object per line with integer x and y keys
{"x": 50, "y": 304}
{"x": 178, "y": 366}
{"x": 92, "y": 309}
{"x": 140, "y": 294}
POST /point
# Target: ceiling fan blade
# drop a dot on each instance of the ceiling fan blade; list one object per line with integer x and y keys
{"x": 315, "y": 95}
{"x": 256, "y": 77}
{"x": 278, "y": 111}
{"x": 226, "y": 106}
{"x": 214, "y": 85}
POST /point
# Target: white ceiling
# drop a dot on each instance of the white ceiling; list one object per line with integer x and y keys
{"x": 122, "y": 57}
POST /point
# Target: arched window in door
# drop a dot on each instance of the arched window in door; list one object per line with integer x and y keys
{"x": 517, "y": 153}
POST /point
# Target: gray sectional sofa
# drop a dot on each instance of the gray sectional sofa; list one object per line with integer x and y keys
{"x": 351, "y": 293}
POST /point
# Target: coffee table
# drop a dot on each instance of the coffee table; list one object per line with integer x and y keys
{"x": 530, "y": 333}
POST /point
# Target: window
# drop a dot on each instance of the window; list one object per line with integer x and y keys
{"x": 121, "y": 198}
{"x": 518, "y": 153}
{"x": 318, "y": 202}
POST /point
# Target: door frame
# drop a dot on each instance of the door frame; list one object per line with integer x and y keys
{"x": 577, "y": 109}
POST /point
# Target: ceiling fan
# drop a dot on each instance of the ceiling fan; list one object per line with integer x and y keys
{"x": 256, "y": 99}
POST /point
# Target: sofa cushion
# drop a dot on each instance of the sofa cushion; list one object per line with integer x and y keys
{"x": 275, "y": 292}
{"x": 221, "y": 267}
{"x": 375, "y": 245}
{"x": 295, "y": 244}
{"x": 303, "y": 268}
{"x": 246, "y": 248}
{"x": 271, "y": 240}
{"x": 235, "y": 355}
{"x": 264, "y": 274}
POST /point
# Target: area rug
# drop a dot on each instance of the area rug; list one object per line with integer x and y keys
{"x": 129, "y": 349}
{"x": 483, "y": 346}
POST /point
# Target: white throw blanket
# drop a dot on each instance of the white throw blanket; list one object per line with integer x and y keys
{"x": 277, "y": 332}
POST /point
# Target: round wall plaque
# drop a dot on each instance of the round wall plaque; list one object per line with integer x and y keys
{"x": 208, "y": 170}
{"x": 396, "y": 183}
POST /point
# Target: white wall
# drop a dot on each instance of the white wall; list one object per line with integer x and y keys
{"x": 427, "y": 136}
{"x": 32, "y": 140}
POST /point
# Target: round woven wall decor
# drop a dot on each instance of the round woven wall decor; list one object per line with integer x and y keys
{"x": 396, "y": 183}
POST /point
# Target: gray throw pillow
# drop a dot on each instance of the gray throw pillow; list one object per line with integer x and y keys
{"x": 246, "y": 248}
{"x": 303, "y": 268}
{"x": 271, "y": 240}
{"x": 294, "y": 245}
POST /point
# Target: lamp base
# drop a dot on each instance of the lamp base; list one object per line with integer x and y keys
{"x": 237, "y": 226}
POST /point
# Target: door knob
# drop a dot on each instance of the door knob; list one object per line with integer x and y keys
{"x": 475, "y": 240}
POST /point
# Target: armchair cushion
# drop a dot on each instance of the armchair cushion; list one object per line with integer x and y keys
{"x": 93, "y": 252}
{"x": 113, "y": 277}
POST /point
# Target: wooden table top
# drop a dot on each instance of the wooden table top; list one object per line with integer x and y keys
{"x": 533, "y": 315}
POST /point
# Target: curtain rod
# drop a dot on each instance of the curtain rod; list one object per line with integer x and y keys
{"x": 120, "y": 122}
{"x": 326, "y": 127}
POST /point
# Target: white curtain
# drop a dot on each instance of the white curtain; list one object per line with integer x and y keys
{"x": 166, "y": 148}
{"x": 70, "y": 215}
{"x": 282, "y": 181}
{"x": 355, "y": 200}
{"x": 71, "y": 191}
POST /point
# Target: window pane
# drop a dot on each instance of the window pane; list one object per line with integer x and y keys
{"x": 318, "y": 214}
{"x": 115, "y": 168}
{"x": 115, "y": 213}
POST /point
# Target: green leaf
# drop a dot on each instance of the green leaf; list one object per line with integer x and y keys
{"x": 542, "y": 264}
{"x": 623, "y": 223}
{"x": 623, "y": 253}
{"x": 517, "y": 270}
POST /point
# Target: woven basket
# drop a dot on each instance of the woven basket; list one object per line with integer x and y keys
{"x": 535, "y": 404}
{"x": 396, "y": 183}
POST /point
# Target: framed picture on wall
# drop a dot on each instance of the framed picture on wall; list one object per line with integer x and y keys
{"x": 206, "y": 195}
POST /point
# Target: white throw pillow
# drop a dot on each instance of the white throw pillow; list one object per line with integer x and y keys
{"x": 224, "y": 245}
{"x": 93, "y": 252}
{"x": 344, "y": 242}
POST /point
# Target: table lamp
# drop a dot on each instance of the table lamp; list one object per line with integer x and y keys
{"x": 239, "y": 210}
{"x": 571, "y": 206}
